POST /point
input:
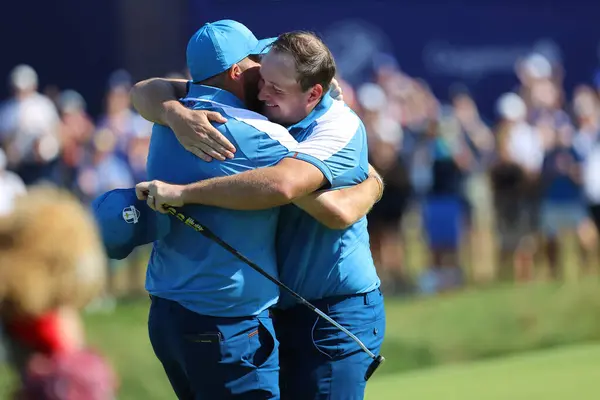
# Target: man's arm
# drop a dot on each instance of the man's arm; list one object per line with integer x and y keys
{"x": 157, "y": 100}
{"x": 325, "y": 155}
{"x": 257, "y": 189}
{"x": 154, "y": 98}
{"x": 339, "y": 209}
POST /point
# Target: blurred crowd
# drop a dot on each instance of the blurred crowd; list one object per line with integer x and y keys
{"x": 511, "y": 188}
{"x": 508, "y": 188}
{"x": 50, "y": 136}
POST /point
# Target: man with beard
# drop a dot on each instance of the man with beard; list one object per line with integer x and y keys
{"x": 331, "y": 268}
{"x": 209, "y": 322}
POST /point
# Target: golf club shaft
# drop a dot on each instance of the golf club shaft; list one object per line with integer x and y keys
{"x": 206, "y": 232}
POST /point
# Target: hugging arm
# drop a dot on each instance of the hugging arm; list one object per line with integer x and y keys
{"x": 339, "y": 209}
{"x": 157, "y": 100}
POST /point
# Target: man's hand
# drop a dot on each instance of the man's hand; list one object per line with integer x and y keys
{"x": 196, "y": 134}
{"x": 157, "y": 100}
{"x": 336, "y": 90}
{"x": 375, "y": 175}
{"x": 339, "y": 209}
{"x": 160, "y": 194}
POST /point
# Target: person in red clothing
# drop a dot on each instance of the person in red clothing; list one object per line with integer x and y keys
{"x": 52, "y": 264}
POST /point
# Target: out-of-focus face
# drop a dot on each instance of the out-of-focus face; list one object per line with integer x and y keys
{"x": 545, "y": 94}
{"x": 465, "y": 108}
{"x": 585, "y": 104}
{"x": 118, "y": 100}
{"x": 283, "y": 100}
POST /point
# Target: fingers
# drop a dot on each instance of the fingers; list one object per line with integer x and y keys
{"x": 149, "y": 191}
{"x": 207, "y": 150}
{"x": 204, "y": 152}
{"x": 162, "y": 208}
{"x": 220, "y": 143}
{"x": 336, "y": 90}
{"x": 217, "y": 136}
{"x": 142, "y": 189}
{"x": 198, "y": 153}
{"x": 210, "y": 152}
{"x": 215, "y": 150}
{"x": 151, "y": 202}
{"x": 216, "y": 117}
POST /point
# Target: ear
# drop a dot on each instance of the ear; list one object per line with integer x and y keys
{"x": 315, "y": 93}
{"x": 235, "y": 72}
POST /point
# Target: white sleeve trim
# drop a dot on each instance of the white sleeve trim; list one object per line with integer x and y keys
{"x": 333, "y": 131}
{"x": 257, "y": 121}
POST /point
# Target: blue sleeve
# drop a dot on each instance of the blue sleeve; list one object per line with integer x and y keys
{"x": 321, "y": 165}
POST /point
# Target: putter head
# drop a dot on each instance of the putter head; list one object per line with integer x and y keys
{"x": 373, "y": 367}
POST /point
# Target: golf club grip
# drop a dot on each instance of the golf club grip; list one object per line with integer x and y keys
{"x": 373, "y": 367}
{"x": 191, "y": 222}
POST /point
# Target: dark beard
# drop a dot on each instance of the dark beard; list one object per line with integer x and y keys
{"x": 251, "y": 97}
{"x": 254, "y": 104}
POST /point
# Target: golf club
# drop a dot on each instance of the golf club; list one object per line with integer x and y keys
{"x": 191, "y": 222}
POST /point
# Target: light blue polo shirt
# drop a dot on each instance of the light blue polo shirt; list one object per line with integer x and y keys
{"x": 185, "y": 266}
{"x": 313, "y": 260}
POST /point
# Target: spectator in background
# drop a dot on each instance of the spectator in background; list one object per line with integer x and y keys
{"x": 418, "y": 109}
{"x": 591, "y": 187}
{"x": 443, "y": 206}
{"x": 562, "y": 202}
{"x": 586, "y": 111}
{"x": 76, "y": 129}
{"x": 29, "y": 128}
{"x": 479, "y": 140}
{"x": 11, "y": 187}
{"x": 529, "y": 70}
{"x": 118, "y": 160}
{"x": 547, "y": 107}
{"x": 101, "y": 172}
{"x": 137, "y": 155}
{"x": 120, "y": 118}
{"x": 515, "y": 177}
{"x": 384, "y": 135}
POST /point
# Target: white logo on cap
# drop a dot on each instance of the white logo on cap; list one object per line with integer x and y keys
{"x": 131, "y": 215}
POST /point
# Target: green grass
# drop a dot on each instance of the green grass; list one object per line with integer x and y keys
{"x": 453, "y": 329}
{"x": 558, "y": 374}
{"x": 123, "y": 336}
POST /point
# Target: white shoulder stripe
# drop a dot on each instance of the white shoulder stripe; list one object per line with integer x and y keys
{"x": 333, "y": 131}
{"x": 256, "y": 120}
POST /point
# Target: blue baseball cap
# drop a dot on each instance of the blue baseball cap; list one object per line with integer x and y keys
{"x": 126, "y": 222}
{"x": 216, "y": 46}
